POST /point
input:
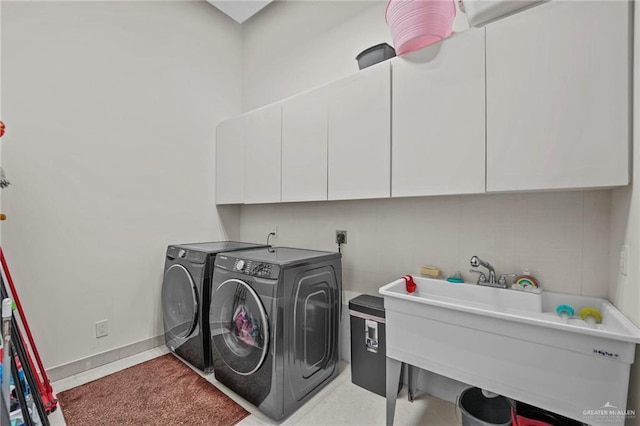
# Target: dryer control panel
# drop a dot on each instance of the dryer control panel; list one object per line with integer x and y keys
{"x": 254, "y": 268}
{"x": 248, "y": 267}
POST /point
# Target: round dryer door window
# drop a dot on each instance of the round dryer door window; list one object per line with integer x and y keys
{"x": 179, "y": 302}
{"x": 239, "y": 326}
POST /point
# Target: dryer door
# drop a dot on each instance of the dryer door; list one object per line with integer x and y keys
{"x": 179, "y": 302}
{"x": 239, "y": 326}
{"x": 313, "y": 356}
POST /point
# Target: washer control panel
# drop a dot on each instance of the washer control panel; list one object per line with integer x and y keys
{"x": 192, "y": 256}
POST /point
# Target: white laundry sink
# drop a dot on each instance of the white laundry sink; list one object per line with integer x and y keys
{"x": 512, "y": 343}
{"x": 466, "y": 296}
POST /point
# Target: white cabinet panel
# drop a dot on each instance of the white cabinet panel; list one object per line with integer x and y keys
{"x": 304, "y": 147}
{"x": 262, "y": 155}
{"x": 359, "y": 135}
{"x": 558, "y": 97}
{"x": 230, "y": 161}
{"x": 438, "y": 136}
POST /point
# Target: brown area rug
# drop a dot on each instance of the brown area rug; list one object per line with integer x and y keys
{"x": 162, "y": 391}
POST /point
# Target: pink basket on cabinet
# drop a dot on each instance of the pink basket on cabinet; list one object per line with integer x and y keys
{"x": 418, "y": 23}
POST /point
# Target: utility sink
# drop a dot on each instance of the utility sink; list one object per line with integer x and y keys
{"x": 513, "y": 343}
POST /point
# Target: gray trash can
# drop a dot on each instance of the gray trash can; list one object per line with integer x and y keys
{"x": 478, "y": 410}
{"x": 368, "y": 344}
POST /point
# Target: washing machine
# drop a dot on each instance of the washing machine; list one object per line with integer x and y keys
{"x": 186, "y": 297}
{"x": 274, "y": 318}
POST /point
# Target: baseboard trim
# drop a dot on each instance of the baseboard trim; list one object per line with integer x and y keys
{"x": 81, "y": 365}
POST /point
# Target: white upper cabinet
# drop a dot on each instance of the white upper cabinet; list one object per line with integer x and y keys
{"x": 262, "y": 155}
{"x": 438, "y": 136}
{"x": 230, "y": 161}
{"x": 539, "y": 100}
{"x": 304, "y": 146}
{"x": 359, "y": 135}
{"x": 558, "y": 97}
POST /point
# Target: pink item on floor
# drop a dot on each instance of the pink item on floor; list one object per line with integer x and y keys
{"x": 418, "y": 23}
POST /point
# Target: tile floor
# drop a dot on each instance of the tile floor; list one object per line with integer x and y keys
{"x": 339, "y": 403}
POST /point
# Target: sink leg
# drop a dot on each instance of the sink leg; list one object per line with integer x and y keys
{"x": 413, "y": 381}
{"x": 394, "y": 368}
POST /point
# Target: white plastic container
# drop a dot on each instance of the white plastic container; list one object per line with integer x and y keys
{"x": 481, "y": 12}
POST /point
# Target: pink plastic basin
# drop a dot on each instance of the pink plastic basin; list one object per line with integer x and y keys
{"x": 418, "y": 23}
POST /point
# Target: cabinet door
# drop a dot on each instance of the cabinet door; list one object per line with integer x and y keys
{"x": 438, "y": 136}
{"x": 230, "y": 161}
{"x": 359, "y": 135}
{"x": 558, "y": 97}
{"x": 304, "y": 147}
{"x": 262, "y": 155}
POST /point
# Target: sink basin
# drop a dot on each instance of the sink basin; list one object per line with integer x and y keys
{"x": 519, "y": 306}
{"x": 465, "y": 296}
{"x": 513, "y": 343}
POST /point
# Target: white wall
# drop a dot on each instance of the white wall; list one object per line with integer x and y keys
{"x": 292, "y": 46}
{"x": 625, "y": 217}
{"x": 624, "y": 290}
{"x": 110, "y": 108}
{"x": 562, "y": 237}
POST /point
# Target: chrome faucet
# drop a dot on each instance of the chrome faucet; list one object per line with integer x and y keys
{"x": 475, "y": 262}
{"x": 490, "y": 281}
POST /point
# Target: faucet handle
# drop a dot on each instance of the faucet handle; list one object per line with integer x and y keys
{"x": 502, "y": 280}
{"x": 482, "y": 278}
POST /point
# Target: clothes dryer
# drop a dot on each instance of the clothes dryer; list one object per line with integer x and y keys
{"x": 186, "y": 297}
{"x": 274, "y": 322}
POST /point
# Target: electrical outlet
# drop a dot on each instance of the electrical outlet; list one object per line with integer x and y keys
{"x": 341, "y": 237}
{"x": 102, "y": 328}
{"x": 274, "y": 231}
{"x": 624, "y": 260}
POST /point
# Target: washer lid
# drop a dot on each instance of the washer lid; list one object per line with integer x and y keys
{"x": 179, "y": 302}
{"x": 239, "y": 326}
{"x": 285, "y": 255}
{"x": 217, "y": 246}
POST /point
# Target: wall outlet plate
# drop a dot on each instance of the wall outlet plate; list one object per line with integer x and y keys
{"x": 624, "y": 260}
{"x": 341, "y": 237}
{"x": 102, "y": 328}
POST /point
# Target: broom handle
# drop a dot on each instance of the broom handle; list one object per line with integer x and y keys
{"x": 45, "y": 380}
{"x": 6, "y": 350}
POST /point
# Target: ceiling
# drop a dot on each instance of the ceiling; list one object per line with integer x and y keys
{"x": 240, "y": 10}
